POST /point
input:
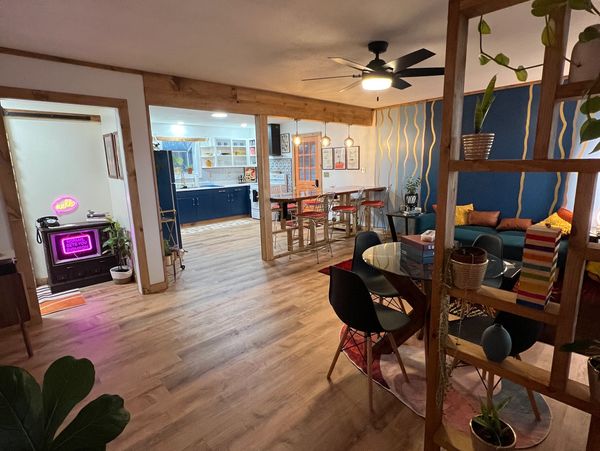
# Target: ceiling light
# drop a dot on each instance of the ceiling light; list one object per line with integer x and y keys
{"x": 219, "y": 115}
{"x": 180, "y": 122}
{"x": 376, "y": 81}
{"x": 296, "y": 139}
{"x": 177, "y": 129}
{"x": 348, "y": 142}
{"x": 243, "y": 125}
{"x": 325, "y": 140}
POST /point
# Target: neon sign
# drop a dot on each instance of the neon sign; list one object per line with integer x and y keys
{"x": 74, "y": 244}
{"x": 64, "y": 205}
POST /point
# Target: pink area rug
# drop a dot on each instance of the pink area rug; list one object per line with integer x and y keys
{"x": 463, "y": 398}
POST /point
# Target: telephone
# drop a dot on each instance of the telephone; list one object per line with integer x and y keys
{"x": 43, "y": 223}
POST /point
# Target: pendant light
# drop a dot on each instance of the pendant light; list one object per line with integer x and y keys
{"x": 325, "y": 140}
{"x": 348, "y": 142}
{"x": 296, "y": 139}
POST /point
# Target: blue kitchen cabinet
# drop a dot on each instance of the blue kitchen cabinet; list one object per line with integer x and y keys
{"x": 200, "y": 205}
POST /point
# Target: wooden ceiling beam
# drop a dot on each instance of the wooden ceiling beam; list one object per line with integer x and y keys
{"x": 179, "y": 92}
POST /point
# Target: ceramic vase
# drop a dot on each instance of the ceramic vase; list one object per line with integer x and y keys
{"x": 496, "y": 343}
{"x": 585, "y": 61}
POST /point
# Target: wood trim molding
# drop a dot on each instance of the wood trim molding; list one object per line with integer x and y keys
{"x": 51, "y": 115}
{"x": 10, "y": 189}
{"x": 170, "y": 91}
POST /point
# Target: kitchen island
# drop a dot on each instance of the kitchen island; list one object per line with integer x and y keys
{"x": 213, "y": 202}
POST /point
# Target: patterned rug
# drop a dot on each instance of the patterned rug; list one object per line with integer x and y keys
{"x": 216, "y": 225}
{"x": 52, "y": 303}
{"x": 463, "y": 398}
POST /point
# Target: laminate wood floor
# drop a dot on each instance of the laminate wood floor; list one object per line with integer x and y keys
{"x": 234, "y": 356}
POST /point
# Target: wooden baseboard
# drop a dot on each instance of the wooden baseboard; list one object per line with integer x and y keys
{"x": 214, "y": 221}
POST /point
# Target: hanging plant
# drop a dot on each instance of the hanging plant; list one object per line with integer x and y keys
{"x": 590, "y": 130}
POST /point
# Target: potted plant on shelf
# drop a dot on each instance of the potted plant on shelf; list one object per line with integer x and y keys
{"x": 119, "y": 244}
{"x": 32, "y": 415}
{"x": 591, "y": 349}
{"x": 489, "y": 432}
{"x": 411, "y": 189}
{"x": 477, "y": 146}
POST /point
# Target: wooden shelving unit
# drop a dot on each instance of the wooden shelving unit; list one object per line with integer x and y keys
{"x": 553, "y": 382}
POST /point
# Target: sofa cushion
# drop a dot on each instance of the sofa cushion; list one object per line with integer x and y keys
{"x": 514, "y": 224}
{"x": 484, "y": 218}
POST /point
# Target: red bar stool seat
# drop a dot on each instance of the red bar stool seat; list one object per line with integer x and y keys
{"x": 374, "y": 203}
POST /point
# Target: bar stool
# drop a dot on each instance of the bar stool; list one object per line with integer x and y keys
{"x": 316, "y": 217}
{"x": 352, "y": 210}
{"x": 377, "y": 206}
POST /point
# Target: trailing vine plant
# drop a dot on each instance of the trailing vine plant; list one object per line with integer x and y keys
{"x": 590, "y": 129}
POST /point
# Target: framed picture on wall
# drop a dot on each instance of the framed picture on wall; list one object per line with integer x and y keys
{"x": 327, "y": 158}
{"x": 353, "y": 158}
{"x": 111, "y": 151}
{"x": 285, "y": 143}
{"x": 339, "y": 158}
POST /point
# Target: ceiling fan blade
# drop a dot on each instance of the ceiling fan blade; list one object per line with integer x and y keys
{"x": 409, "y": 59}
{"x": 398, "y": 83}
{"x": 330, "y": 78}
{"x": 420, "y": 72}
{"x": 347, "y": 62}
{"x": 350, "y": 86}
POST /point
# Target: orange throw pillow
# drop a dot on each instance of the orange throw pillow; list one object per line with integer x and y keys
{"x": 565, "y": 214}
{"x": 514, "y": 224}
{"x": 483, "y": 218}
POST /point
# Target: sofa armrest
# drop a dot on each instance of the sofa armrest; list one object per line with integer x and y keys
{"x": 425, "y": 222}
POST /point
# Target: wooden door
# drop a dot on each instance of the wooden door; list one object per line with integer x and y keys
{"x": 307, "y": 162}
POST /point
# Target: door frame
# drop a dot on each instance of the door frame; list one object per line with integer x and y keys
{"x": 319, "y": 172}
{"x": 10, "y": 191}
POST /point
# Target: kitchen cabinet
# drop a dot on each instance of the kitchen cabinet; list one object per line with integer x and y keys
{"x": 200, "y": 205}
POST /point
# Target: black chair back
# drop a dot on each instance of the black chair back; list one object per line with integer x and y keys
{"x": 524, "y": 332}
{"x": 362, "y": 242}
{"x": 351, "y": 301}
{"x": 491, "y": 243}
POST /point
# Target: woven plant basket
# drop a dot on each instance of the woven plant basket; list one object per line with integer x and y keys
{"x": 477, "y": 146}
{"x": 469, "y": 265}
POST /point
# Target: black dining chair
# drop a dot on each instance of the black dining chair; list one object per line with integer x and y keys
{"x": 524, "y": 333}
{"x": 353, "y": 305}
{"x": 376, "y": 282}
{"x": 492, "y": 245}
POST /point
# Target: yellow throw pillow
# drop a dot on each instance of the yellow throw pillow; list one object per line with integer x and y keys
{"x": 593, "y": 269}
{"x": 556, "y": 221}
{"x": 461, "y": 215}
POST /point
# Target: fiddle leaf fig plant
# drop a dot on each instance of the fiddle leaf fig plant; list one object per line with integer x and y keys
{"x": 590, "y": 130}
{"x": 30, "y": 415}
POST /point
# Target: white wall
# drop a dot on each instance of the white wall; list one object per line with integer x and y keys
{"x": 363, "y": 137}
{"x": 52, "y": 158}
{"x": 31, "y": 73}
{"x": 200, "y": 131}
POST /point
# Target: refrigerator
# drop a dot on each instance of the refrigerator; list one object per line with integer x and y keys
{"x": 167, "y": 198}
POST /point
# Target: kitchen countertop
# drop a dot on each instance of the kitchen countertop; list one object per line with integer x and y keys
{"x": 230, "y": 185}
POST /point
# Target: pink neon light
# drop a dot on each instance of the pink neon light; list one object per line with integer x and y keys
{"x": 75, "y": 243}
{"x": 64, "y": 205}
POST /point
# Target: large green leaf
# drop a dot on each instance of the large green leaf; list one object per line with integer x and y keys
{"x": 21, "y": 416}
{"x": 502, "y": 59}
{"x": 98, "y": 423}
{"x": 590, "y": 130}
{"x": 581, "y": 4}
{"x": 66, "y": 382}
{"x": 483, "y": 27}
{"x": 591, "y": 105}
{"x": 589, "y": 34}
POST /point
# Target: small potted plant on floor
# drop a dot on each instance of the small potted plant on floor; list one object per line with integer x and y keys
{"x": 119, "y": 244}
{"x": 167, "y": 254}
{"x": 489, "y": 432}
{"x": 477, "y": 146}
{"x": 591, "y": 349}
{"x": 411, "y": 189}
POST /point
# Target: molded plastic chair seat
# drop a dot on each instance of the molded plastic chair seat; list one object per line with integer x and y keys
{"x": 389, "y": 318}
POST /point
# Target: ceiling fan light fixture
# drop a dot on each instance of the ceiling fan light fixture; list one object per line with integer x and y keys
{"x": 376, "y": 81}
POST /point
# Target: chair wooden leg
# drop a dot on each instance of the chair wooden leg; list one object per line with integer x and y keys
{"x": 369, "y": 369}
{"x": 24, "y": 332}
{"x": 337, "y": 353}
{"x": 401, "y": 305}
{"x": 532, "y": 401}
{"x": 395, "y": 349}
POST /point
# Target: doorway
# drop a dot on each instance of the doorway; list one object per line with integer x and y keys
{"x": 307, "y": 162}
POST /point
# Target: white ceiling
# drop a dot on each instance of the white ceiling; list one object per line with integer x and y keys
{"x": 167, "y": 115}
{"x": 266, "y": 44}
{"x": 35, "y": 105}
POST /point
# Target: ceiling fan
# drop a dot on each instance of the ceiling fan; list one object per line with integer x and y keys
{"x": 378, "y": 75}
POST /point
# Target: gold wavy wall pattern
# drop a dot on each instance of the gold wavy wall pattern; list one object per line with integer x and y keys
{"x": 433, "y": 139}
{"x": 524, "y": 154}
{"x": 398, "y": 111}
{"x": 572, "y": 154}
{"x": 414, "y": 173}
{"x": 561, "y": 147}
{"x": 406, "y": 137}
{"x": 389, "y": 149}
{"x": 379, "y": 147}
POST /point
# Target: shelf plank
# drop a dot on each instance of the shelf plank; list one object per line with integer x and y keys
{"x": 577, "y": 165}
{"x": 531, "y": 376}
{"x": 476, "y": 8}
{"x": 576, "y": 90}
{"x": 452, "y": 439}
{"x": 506, "y": 301}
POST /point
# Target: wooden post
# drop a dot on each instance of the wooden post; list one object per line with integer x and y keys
{"x": 551, "y": 78}
{"x": 264, "y": 187}
{"x": 454, "y": 81}
{"x": 573, "y": 277}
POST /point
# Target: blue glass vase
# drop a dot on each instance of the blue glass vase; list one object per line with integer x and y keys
{"x": 496, "y": 343}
